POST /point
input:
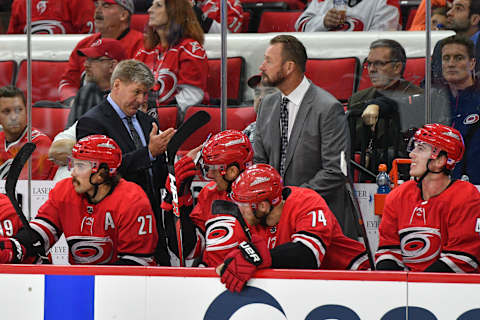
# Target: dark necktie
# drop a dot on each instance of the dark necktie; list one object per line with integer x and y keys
{"x": 283, "y": 134}
{"x": 136, "y": 138}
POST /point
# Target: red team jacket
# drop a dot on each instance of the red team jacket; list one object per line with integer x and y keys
{"x": 9, "y": 221}
{"x": 42, "y": 168}
{"x": 234, "y": 13}
{"x": 53, "y": 16}
{"x": 415, "y": 233}
{"x": 122, "y": 225}
{"x": 132, "y": 40}
{"x": 185, "y": 63}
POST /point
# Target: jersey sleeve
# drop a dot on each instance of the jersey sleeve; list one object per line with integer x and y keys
{"x": 211, "y": 8}
{"x": 193, "y": 65}
{"x": 389, "y": 243}
{"x": 9, "y": 221}
{"x": 386, "y": 16}
{"x": 462, "y": 251}
{"x": 137, "y": 232}
{"x": 16, "y": 21}
{"x": 41, "y": 167}
{"x": 82, "y": 13}
{"x": 71, "y": 79}
{"x": 312, "y": 18}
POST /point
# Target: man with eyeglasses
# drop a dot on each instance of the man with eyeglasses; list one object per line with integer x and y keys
{"x": 385, "y": 65}
{"x": 461, "y": 92}
{"x": 105, "y": 219}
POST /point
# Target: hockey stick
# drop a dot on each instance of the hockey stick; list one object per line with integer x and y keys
{"x": 358, "y": 216}
{"x": 231, "y": 209}
{"x": 10, "y": 185}
{"x": 191, "y": 125}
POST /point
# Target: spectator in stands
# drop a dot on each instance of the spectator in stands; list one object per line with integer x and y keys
{"x": 13, "y": 119}
{"x": 53, "y": 17}
{"x": 385, "y": 65}
{"x": 431, "y": 224}
{"x": 439, "y": 18}
{"x": 464, "y": 19}
{"x": 302, "y": 130}
{"x": 112, "y": 20}
{"x": 418, "y": 23}
{"x": 136, "y": 133}
{"x": 462, "y": 93}
{"x": 208, "y": 14}
{"x": 174, "y": 52}
{"x": 259, "y": 92}
{"x": 379, "y": 15}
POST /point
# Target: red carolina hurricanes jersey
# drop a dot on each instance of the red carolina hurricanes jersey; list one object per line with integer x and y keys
{"x": 183, "y": 64}
{"x": 415, "y": 233}
{"x": 132, "y": 40}
{"x": 307, "y": 219}
{"x": 211, "y": 8}
{"x": 9, "y": 221}
{"x": 222, "y": 232}
{"x": 121, "y": 226}
{"x": 53, "y": 16}
{"x": 42, "y": 168}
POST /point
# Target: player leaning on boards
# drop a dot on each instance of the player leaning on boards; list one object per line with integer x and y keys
{"x": 433, "y": 223}
{"x": 105, "y": 219}
{"x": 299, "y": 230}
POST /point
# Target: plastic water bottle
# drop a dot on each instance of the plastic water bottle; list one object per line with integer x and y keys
{"x": 383, "y": 180}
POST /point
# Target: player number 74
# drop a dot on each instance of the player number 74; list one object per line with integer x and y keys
{"x": 318, "y": 217}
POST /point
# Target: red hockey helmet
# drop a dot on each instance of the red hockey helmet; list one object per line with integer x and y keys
{"x": 98, "y": 149}
{"x": 442, "y": 138}
{"x": 258, "y": 183}
{"x": 226, "y": 148}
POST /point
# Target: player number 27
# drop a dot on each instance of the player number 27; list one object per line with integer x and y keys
{"x": 318, "y": 217}
{"x": 145, "y": 224}
{"x": 6, "y": 228}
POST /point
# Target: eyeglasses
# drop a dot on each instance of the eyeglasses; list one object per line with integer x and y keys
{"x": 377, "y": 63}
{"x": 91, "y": 60}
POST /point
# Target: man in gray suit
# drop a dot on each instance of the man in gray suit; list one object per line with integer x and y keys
{"x": 312, "y": 126}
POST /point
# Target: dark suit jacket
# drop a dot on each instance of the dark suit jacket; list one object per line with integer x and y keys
{"x": 319, "y": 136}
{"x": 102, "y": 119}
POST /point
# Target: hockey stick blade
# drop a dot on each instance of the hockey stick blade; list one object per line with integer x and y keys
{"x": 10, "y": 185}
{"x": 231, "y": 209}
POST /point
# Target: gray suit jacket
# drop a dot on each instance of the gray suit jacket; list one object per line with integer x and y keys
{"x": 319, "y": 135}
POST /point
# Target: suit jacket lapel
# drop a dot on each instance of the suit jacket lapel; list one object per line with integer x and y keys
{"x": 302, "y": 114}
{"x": 275, "y": 133}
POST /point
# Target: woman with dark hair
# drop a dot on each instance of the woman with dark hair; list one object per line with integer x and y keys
{"x": 173, "y": 50}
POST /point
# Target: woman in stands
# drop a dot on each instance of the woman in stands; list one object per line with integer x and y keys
{"x": 173, "y": 50}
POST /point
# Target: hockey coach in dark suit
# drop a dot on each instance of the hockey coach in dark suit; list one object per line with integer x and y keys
{"x": 302, "y": 131}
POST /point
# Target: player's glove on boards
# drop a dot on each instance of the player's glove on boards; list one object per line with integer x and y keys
{"x": 241, "y": 263}
{"x": 185, "y": 171}
{"x": 11, "y": 251}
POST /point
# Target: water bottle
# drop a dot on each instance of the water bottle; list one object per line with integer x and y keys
{"x": 383, "y": 180}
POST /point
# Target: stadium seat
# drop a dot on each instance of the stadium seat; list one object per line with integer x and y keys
{"x": 278, "y": 21}
{"x": 45, "y": 78}
{"x": 139, "y": 21}
{"x": 411, "y": 16}
{"x": 291, "y": 4}
{"x": 337, "y": 76}
{"x": 414, "y": 72}
{"x": 238, "y": 117}
{"x": 49, "y": 117}
{"x": 235, "y": 78}
{"x": 7, "y": 72}
{"x": 167, "y": 117}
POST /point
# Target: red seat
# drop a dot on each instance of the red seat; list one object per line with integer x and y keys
{"x": 411, "y": 16}
{"x": 292, "y": 4}
{"x": 238, "y": 117}
{"x": 414, "y": 72}
{"x": 139, "y": 21}
{"x": 49, "y": 118}
{"x": 278, "y": 21}
{"x": 337, "y": 76}
{"x": 235, "y": 67}
{"x": 167, "y": 117}
{"x": 45, "y": 78}
{"x": 7, "y": 72}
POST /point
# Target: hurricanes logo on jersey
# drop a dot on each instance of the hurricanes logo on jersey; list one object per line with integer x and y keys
{"x": 90, "y": 250}
{"x": 166, "y": 85}
{"x": 351, "y": 24}
{"x": 219, "y": 232}
{"x": 420, "y": 244}
{"x": 42, "y": 6}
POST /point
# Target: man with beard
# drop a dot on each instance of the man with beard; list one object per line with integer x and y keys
{"x": 105, "y": 219}
{"x": 302, "y": 130}
{"x": 464, "y": 19}
{"x": 112, "y": 20}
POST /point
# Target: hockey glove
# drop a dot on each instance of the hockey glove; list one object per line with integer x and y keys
{"x": 185, "y": 171}
{"x": 243, "y": 262}
{"x": 11, "y": 251}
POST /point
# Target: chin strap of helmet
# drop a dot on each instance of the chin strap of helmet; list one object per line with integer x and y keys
{"x": 96, "y": 185}
{"x": 443, "y": 170}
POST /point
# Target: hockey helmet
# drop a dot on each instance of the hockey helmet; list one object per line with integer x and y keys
{"x": 441, "y": 138}
{"x": 98, "y": 149}
{"x": 258, "y": 183}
